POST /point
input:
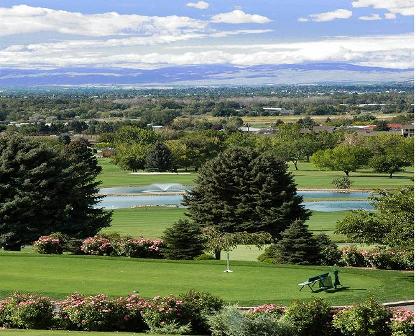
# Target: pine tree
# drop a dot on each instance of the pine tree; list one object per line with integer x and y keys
{"x": 242, "y": 190}
{"x": 160, "y": 158}
{"x": 297, "y": 245}
{"x": 44, "y": 191}
{"x": 183, "y": 240}
{"x": 84, "y": 219}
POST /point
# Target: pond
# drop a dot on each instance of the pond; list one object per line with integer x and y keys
{"x": 171, "y": 195}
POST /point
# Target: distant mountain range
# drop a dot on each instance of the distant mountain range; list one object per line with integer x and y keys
{"x": 205, "y": 75}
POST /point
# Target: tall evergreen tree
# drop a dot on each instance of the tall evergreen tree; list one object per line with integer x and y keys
{"x": 84, "y": 219}
{"x": 160, "y": 158}
{"x": 297, "y": 245}
{"x": 242, "y": 190}
{"x": 183, "y": 240}
{"x": 44, "y": 191}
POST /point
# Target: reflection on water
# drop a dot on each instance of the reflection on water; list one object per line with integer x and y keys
{"x": 117, "y": 202}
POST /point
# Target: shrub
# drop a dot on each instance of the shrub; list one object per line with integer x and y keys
{"x": 141, "y": 248}
{"x": 351, "y": 256}
{"x": 165, "y": 315}
{"x": 197, "y": 306}
{"x": 402, "y": 322}
{"x": 297, "y": 245}
{"x": 328, "y": 251}
{"x": 366, "y": 319}
{"x": 270, "y": 254}
{"x": 343, "y": 183}
{"x": 232, "y": 322}
{"x": 96, "y": 313}
{"x": 49, "y": 245}
{"x": 384, "y": 258}
{"x": 96, "y": 245}
{"x": 204, "y": 256}
{"x": 183, "y": 240}
{"x": 267, "y": 308}
{"x": 129, "y": 313}
{"x": 310, "y": 318}
{"x": 26, "y": 311}
{"x": 74, "y": 246}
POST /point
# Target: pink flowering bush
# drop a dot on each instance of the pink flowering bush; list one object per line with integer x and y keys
{"x": 166, "y": 315}
{"x": 129, "y": 312}
{"x": 351, "y": 256}
{"x": 141, "y": 248}
{"x": 267, "y": 309}
{"x": 402, "y": 322}
{"x": 381, "y": 258}
{"x": 26, "y": 311}
{"x": 49, "y": 245}
{"x": 97, "y": 246}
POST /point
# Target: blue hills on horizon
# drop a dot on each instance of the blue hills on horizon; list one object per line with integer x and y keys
{"x": 201, "y": 75}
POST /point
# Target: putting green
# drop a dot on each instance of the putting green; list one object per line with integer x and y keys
{"x": 251, "y": 283}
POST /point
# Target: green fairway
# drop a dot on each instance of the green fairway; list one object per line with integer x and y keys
{"x": 150, "y": 222}
{"x": 66, "y": 333}
{"x": 113, "y": 176}
{"x": 251, "y": 283}
{"x": 307, "y": 177}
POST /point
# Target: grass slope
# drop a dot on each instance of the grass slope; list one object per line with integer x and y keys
{"x": 251, "y": 283}
{"x": 150, "y": 222}
{"x": 307, "y": 177}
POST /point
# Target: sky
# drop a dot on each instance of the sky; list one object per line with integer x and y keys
{"x": 142, "y": 34}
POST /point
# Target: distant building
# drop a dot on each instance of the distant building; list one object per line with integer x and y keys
{"x": 279, "y": 110}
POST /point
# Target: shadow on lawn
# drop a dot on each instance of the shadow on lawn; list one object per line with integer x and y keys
{"x": 339, "y": 289}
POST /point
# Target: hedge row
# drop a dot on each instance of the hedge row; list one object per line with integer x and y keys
{"x": 202, "y": 313}
{"x": 110, "y": 245}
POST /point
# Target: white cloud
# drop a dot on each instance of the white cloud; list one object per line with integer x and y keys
{"x": 390, "y": 16}
{"x": 198, "y": 5}
{"x": 25, "y": 19}
{"x": 238, "y": 16}
{"x": 402, "y": 7}
{"x": 328, "y": 16}
{"x": 386, "y": 51}
{"x": 372, "y": 17}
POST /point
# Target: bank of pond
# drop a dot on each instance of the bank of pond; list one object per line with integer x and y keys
{"x": 172, "y": 195}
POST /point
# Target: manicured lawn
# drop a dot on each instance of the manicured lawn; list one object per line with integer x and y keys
{"x": 113, "y": 176}
{"x": 150, "y": 222}
{"x": 307, "y": 177}
{"x": 251, "y": 283}
{"x": 66, "y": 333}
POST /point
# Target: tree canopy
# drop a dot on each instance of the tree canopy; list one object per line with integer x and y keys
{"x": 46, "y": 189}
{"x": 391, "y": 224}
{"x": 242, "y": 190}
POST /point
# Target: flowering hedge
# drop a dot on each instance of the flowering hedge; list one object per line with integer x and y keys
{"x": 49, "y": 245}
{"x": 26, "y": 311}
{"x": 381, "y": 258}
{"x": 141, "y": 248}
{"x": 183, "y": 315}
{"x": 97, "y": 246}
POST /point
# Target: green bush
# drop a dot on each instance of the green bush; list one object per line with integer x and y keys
{"x": 26, "y": 311}
{"x": 270, "y": 254}
{"x": 165, "y": 315}
{"x": 351, "y": 256}
{"x": 198, "y": 306}
{"x": 310, "y": 318}
{"x": 230, "y": 321}
{"x": 183, "y": 240}
{"x": 328, "y": 251}
{"x": 297, "y": 245}
{"x": 366, "y": 319}
{"x": 204, "y": 256}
